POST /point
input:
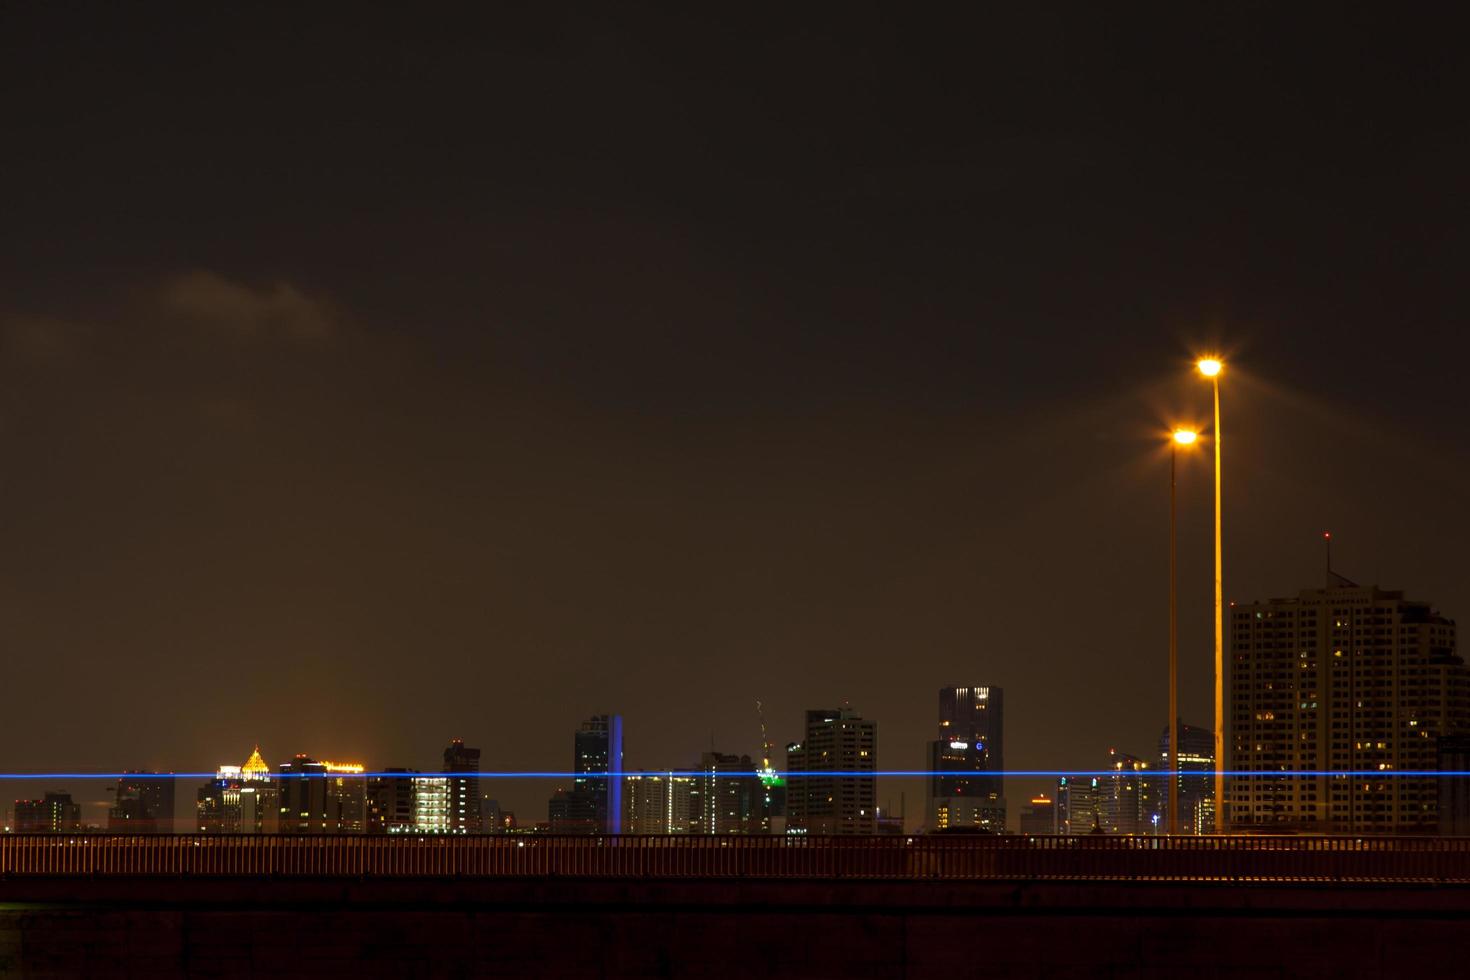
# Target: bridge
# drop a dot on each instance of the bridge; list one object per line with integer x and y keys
{"x": 188, "y": 905}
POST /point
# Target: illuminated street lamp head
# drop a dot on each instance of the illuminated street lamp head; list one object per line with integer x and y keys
{"x": 1185, "y": 437}
{"x": 1209, "y": 366}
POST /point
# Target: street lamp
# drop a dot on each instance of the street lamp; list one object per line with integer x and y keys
{"x": 1181, "y": 437}
{"x": 1211, "y": 367}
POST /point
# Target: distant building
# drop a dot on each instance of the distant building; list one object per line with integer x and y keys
{"x": 1039, "y": 816}
{"x": 1078, "y": 810}
{"x": 966, "y": 762}
{"x": 305, "y": 808}
{"x": 729, "y": 797}
{"x": 390, "y": 802}
{"x": 55, "y": 813}
{"x": 836, "y": 792}
{"x": 1128, "y": 797}
{"x": 464, "y": 788}
{"x": 1196, "y": 782}
{"x": 1333, "y": 681}
{"x": 659, "y": 803}
{"x": 143, "y": 804}
{"x": 431, "y": 805}
{"x": 594, "y": 804}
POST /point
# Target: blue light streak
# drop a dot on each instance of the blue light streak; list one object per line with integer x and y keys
{"x": 783, "y": 774}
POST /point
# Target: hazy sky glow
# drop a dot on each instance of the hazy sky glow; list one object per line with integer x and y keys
{"x": 368, "y": 381}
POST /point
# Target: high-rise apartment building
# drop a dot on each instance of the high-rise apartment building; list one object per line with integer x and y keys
{"x": 432, "y": 796}
{"x": 966, "y": 763}
{"x": 390, "y": 802}
{"x": 835, "y": 791}
{"x": 144, "y": 804}
{"x": 1196, "y": 780}
{"x": 729, "y": 797}
{"x": 464, "y": 787}
{"x": 659, "y": 803}
{"x": 54, "y": 813}
{"x": 1328, "y": 689}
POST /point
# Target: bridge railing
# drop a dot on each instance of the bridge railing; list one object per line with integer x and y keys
{"x": 895, "y": 857}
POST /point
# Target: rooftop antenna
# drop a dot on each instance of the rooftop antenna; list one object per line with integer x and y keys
{"x": 1327, "y": 543}
{"x": 760, "y": 712}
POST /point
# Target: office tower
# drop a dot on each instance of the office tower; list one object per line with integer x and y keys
{"x": 1127, "y": 797}
{"x": 966, "y": 762}
{"x": 659, "y": 803}
{"x": 304, "y": 808}
{"x": 55, "y": 813}
{"x": 1196, "y": 780}
{"x": 1077, "y": 805}
{"x": 1039, "y": 816}
{"x": 598, "y": 757}
{"x": 260, "y": 801}
{"x": 431, "y": 805}
{"x": 217, "y": 805}
{"x": 490, "y": 816}
{"x": 464, "y": 787}
{"x": 594, "y": 804}
{"x": 1338, "y": 680}
{"x": 728, "y": 796}
{"x": 144, "y": 804}
{"x": 390, "y": 802}
{"x": 346, "y": 797}
{"x": 836, "y": 793}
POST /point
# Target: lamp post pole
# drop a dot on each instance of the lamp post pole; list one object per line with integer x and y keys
{"x": 1211, "y": 368}
{"x": 1173, "y": 646}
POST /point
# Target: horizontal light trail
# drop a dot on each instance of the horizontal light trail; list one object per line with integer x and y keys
{"x": 796, "y": 774}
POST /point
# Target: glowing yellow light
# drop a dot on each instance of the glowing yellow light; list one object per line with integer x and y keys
{"x": 1185, "y": 437}
{"x": 344, "y": 767}
{"x": 1209, "y": 366}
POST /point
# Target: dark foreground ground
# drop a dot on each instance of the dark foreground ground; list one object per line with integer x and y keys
{"x": 563, "y": 927}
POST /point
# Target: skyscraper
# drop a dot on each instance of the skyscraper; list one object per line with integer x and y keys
{"x": 594, "y": 804}
{"x": 1077, "y": 805}
{"x": 1196, "y": 781}
{"x": 1339, "y": 680}
{"x": 1128, "y": 797}
{"x": 659, "y": 803}
{"x": 304, "y": 807}
{"x": 729, "y": 796}
{"x": 464, "y": 788}
{"x": 965, "y": 786}
{"x": 144, "y": 804}
{"x": 836, "y": 792}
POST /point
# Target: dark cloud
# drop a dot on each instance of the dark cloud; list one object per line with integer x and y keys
{"x": 279, "y": 311}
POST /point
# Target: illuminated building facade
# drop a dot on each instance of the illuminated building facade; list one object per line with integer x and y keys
{"x": 1078, "y": 810}
{"x": 832, "y": 794}
{"x": 464, "y": 787}
{"x": 597, "y": 757}
{"x": 965, "y": 786}
{"x": 1039, "y": 816}
{"x": 431, "y": 805}
{"x": 144, "y": 804}
{"x": 658, "y": 803}
{"x": 728, "y": 796}
{"x": 1128, "y": 796}
{"x": 322, "y": 797}
{"x": 1196, "y": 782}
{"x": 54, "y": 813}
{"x": 390, "y": 802}
{"x": 1337, "y": 680}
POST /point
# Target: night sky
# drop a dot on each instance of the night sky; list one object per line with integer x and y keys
{"x": 372, "y": 376}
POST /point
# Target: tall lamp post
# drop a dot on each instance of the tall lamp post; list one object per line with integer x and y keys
{"x": 1182, "y": 437}
{"x": 1211, "y": 367}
